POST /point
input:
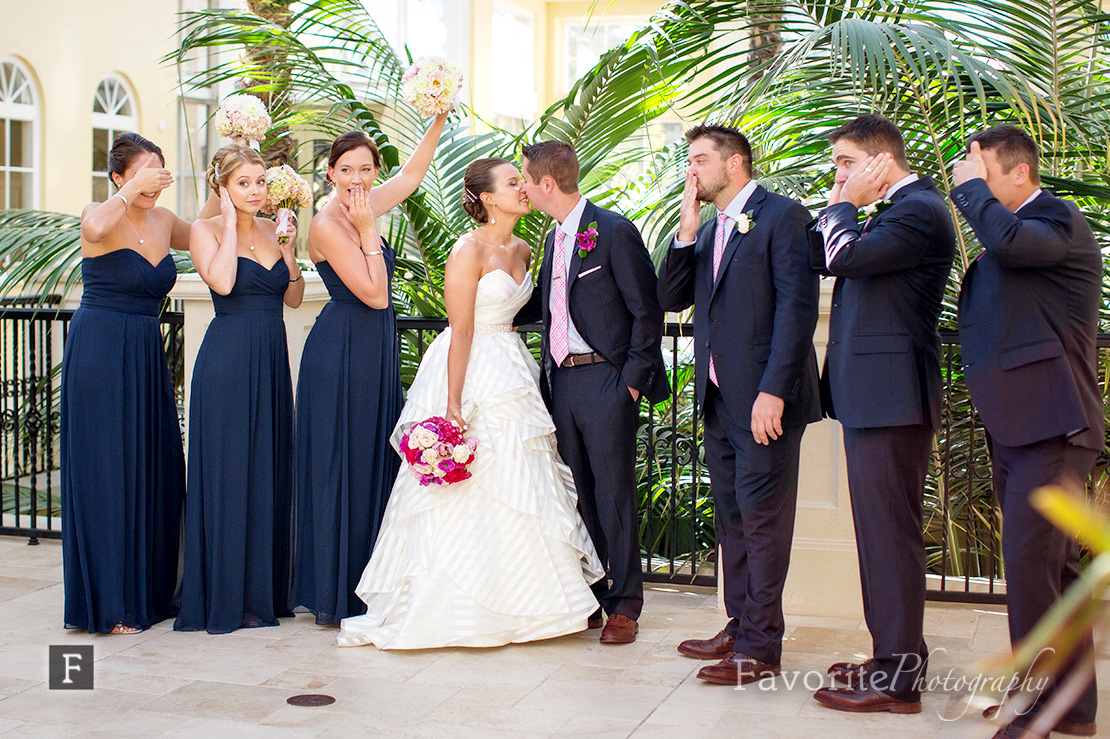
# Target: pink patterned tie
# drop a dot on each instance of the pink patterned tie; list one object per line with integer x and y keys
{"x": 718, "y": 252}
{"x": 560, "y": 320}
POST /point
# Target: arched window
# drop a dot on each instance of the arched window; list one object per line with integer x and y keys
{"x": 19, "y": 122}
{"x": 113, "y": 113}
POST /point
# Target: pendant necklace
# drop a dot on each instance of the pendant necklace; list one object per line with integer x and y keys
{"x": 138, "y": 234}
{"x": 250, "y": 242}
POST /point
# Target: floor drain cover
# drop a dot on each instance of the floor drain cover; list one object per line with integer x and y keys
{"x": 310, "y": 699}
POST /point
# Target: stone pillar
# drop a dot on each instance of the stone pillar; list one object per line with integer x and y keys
{"x": 197, "y": 305}
{"x": 824, "y": 569}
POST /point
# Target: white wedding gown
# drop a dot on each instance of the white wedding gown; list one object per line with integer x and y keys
{"x": 503, "y": 556}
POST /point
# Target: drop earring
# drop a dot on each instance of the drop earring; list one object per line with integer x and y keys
{"x": 493, "y": 216}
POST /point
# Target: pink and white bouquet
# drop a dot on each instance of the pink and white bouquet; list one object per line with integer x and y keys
{"x": 242, "y": 117}
{"x": 285, "y": 190}
{"x": 437, "y": 453}
{"x": 432, "y": 85}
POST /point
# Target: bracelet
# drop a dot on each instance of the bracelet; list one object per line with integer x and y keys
{"x": 371, "y": 253}
{"x": 125, "y": 203}
{"x": 299, "y": 277}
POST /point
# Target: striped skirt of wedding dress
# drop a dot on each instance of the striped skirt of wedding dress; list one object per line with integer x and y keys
{"x": 499, "y": 558}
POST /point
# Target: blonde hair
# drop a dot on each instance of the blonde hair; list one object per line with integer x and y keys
{"x": 228, "y": 159}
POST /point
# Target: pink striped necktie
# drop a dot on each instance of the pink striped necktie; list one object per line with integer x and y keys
{"x": 560, "y": 319}
{"x": 718, "y": 252}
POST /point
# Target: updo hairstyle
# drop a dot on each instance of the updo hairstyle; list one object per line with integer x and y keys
{"x": 477, "y": 180}
{"x": 125, "y": 148}
{"x": 228, "y": 159}
{"x": 349, "y": 142}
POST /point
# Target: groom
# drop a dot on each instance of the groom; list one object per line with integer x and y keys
{"x": 602, "y": 327}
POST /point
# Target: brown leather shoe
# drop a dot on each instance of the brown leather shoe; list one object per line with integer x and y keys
{"x": 619, "y": 629}
{"x": 852, "y": 674}
{"x": 715, "y": 648}
{"x": 1071, "y": 728}
{"x": 869, "y": 700}
{"x": 595, "y": 620}
{"x": 737, "y": 669}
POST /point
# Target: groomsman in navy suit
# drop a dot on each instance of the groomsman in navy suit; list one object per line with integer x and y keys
{"x": 1028, "y": 321}
{"x": 747, "y": 274}
{"x": 882, "y": 382}
{"x": 601, "y": 354}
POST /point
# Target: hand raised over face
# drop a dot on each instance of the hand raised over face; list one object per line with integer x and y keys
{"x": 971, "y": 167}
{"x": 690, "y": 212}
{"x": 359, "y": 213}
{"x": 869, "y": 181}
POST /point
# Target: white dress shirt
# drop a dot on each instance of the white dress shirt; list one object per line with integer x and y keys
{"x": 732, "y": 210}
{"x": 570, "y": 228}
{"x": 1030, "y": 199}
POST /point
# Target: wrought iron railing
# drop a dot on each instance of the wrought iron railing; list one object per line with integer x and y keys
{"x": 677, "y": 537}
{"x": 31, "y": 343}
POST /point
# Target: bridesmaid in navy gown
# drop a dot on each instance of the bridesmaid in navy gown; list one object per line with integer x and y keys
{"x": 238, "y": 510}
{"x": 349, "y": 387}
{"x": 123, "y": 471}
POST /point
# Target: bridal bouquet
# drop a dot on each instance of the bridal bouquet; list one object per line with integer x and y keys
{"x": 285, "y": 190}
{"x": 437, "y": 452}
{"x": 432, "y": 85}
{"x": 242, "y": 116}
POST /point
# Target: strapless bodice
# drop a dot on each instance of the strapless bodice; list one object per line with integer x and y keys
{"x": 125, "y": 281}
{"x": 498, "y": 299}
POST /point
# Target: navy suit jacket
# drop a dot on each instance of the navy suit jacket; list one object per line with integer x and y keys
{"x": 757, "y": 319}
{"x": 1029, "y": 319}
{"x": 611, "y": 299}
{"x": 882, "y": 364}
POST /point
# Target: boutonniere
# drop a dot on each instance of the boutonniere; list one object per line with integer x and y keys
{"x": 587, "y": 240}
{"x": 875, "y": 208}
{"x": 745, "y": 222}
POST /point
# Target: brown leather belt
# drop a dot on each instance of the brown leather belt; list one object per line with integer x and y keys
{"x": 578, "y": 360}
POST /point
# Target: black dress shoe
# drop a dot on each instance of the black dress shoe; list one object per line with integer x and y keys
{"x": 868, "y": 700}
{"x": 1011, "y": 731}
{"x": 718, "y": 647}
{"x": 1071, "y": 728}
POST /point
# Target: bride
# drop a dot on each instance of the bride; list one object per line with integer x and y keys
{"x": 503, "y": 556}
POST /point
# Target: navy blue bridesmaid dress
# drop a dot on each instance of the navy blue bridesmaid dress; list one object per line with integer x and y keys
{"x": 238, "y": 510}
{"x": 123, "y": 470}
{"x": 348, "y": 400}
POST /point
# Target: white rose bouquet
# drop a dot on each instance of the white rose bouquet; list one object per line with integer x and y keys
{"x": 432, "y": 85}
{"x": 242, "y": 118}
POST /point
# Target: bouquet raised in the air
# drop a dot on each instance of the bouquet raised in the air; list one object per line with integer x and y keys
{"x": 242, "y": 117}
{"x": 432, "y": 85}
{"x": 285, "y": 190}
{"x": 437, "y": 453}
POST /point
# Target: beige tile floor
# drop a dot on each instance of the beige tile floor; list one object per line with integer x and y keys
{"x": 166, "y": 684}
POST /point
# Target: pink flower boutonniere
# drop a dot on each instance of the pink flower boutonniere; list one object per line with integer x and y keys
{"x": 587, "y": 240}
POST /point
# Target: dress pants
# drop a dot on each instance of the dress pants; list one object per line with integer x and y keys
{"x": 755, "y": 493}
{"x": 596, "y": 421}
{"x": 1041, "y": 561}
{"x": 886, "y": 483}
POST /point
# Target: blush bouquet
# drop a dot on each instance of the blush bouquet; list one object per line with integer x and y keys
{"x": 285, "y": 190}
{"x": 437, "y": 453}
{"x": 243, "y": 118}
{"x": 432, "y": 85}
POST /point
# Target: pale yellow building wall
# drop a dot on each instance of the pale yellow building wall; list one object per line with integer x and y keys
{"x": 70, "y": 46}
{"x": 559, "y": 14}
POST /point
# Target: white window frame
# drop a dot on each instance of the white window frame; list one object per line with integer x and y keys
{"x": 10, "y": 111}
{"x": 112, "y": 122}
